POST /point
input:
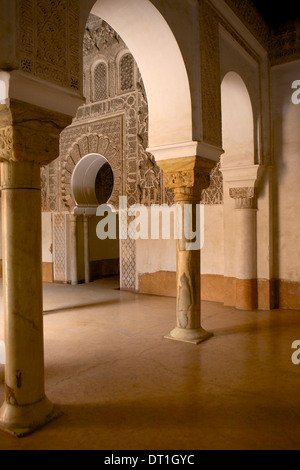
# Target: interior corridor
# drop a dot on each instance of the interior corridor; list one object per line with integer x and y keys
{"x": 122, "y": 386}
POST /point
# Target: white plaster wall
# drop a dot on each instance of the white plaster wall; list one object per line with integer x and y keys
{"x": 155, "y": 255}
{"x": 160, "y": 255}
{"x": 229, "y": 234}
{"x": 286, "y": 131}
{"x": 246, "y": 140}
{"x": 212, "y": 255}
{"x": 47, "y": 237}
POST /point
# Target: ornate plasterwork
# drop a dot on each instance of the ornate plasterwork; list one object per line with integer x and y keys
{"x": 49, "y": 187}
{"x": 48, "y": 38}
{"x": 86, "y": 144}
{"x": 210, "y": 76}
{"x": 98, "y": 36}
{"x": 59, "y": 247}
{"x": 187, "y": 179}
{"x": 150, "y": 178}
{"x": 213, "y": 195}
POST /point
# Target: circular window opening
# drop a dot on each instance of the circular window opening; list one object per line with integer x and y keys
{"x": 92, "y": 183}
{"x": 104, "y": 184}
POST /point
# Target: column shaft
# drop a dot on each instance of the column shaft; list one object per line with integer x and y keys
{"x": 188, "y": 176}
{"x": 26, "y": 406}
{"x": 86, "y": 249}
{"x": 245, "y": 248}
{"x": 73, "y": 249}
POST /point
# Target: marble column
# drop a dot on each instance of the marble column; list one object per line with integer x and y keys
{"x": 86, "y": 249}
{"x": 26, "y": 406}
{"x": 73, "y": 249}
{"x": 188, "y": 177}
{"x": 246, "y": 247}
{"x": 29, "y": 138}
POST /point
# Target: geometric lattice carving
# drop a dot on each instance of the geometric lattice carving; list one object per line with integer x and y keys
{"x": 59, "y": 247}
{"x": 127, "y": 258}
{"x": 126, "y": 73}
{"x": 100, "y": 81}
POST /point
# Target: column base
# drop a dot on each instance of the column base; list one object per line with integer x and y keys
{"x": 193, "y": 336}
{"x": 20, "y": 421}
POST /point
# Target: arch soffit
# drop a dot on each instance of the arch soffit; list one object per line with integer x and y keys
{"x": 243, "y": 107}
{"x": 156, "y": 51}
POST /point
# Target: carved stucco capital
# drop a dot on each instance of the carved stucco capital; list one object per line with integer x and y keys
{"x": 188, "y": 184}
{"x": 245, "y": 198}
{"x": 6, "y": 143}
{"x": 29, "y": 133}
{"x": 188, "y": 177}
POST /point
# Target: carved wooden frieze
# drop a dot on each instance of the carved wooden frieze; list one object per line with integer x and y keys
{"x": 285, "y": 43}
{"x": 252, "y": 18}
{"x": 282, "y": 43}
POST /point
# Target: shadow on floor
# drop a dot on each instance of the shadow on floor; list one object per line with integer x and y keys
{"x": 82, "y": 306}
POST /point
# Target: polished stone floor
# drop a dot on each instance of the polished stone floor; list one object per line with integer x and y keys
{"x": 121, "y": 386}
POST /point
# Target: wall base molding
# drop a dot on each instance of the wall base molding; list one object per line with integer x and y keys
{"x": 271, "y": 294}
{"x": 247, "y": 294}
{"x": 159, "y": 283}
{"x": 47, "y": 270}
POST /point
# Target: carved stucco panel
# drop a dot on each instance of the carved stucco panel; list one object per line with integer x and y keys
{"x": 48, "y": 38}
{"x": 92, "y": 142}
{"x": 210, "y": 76}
